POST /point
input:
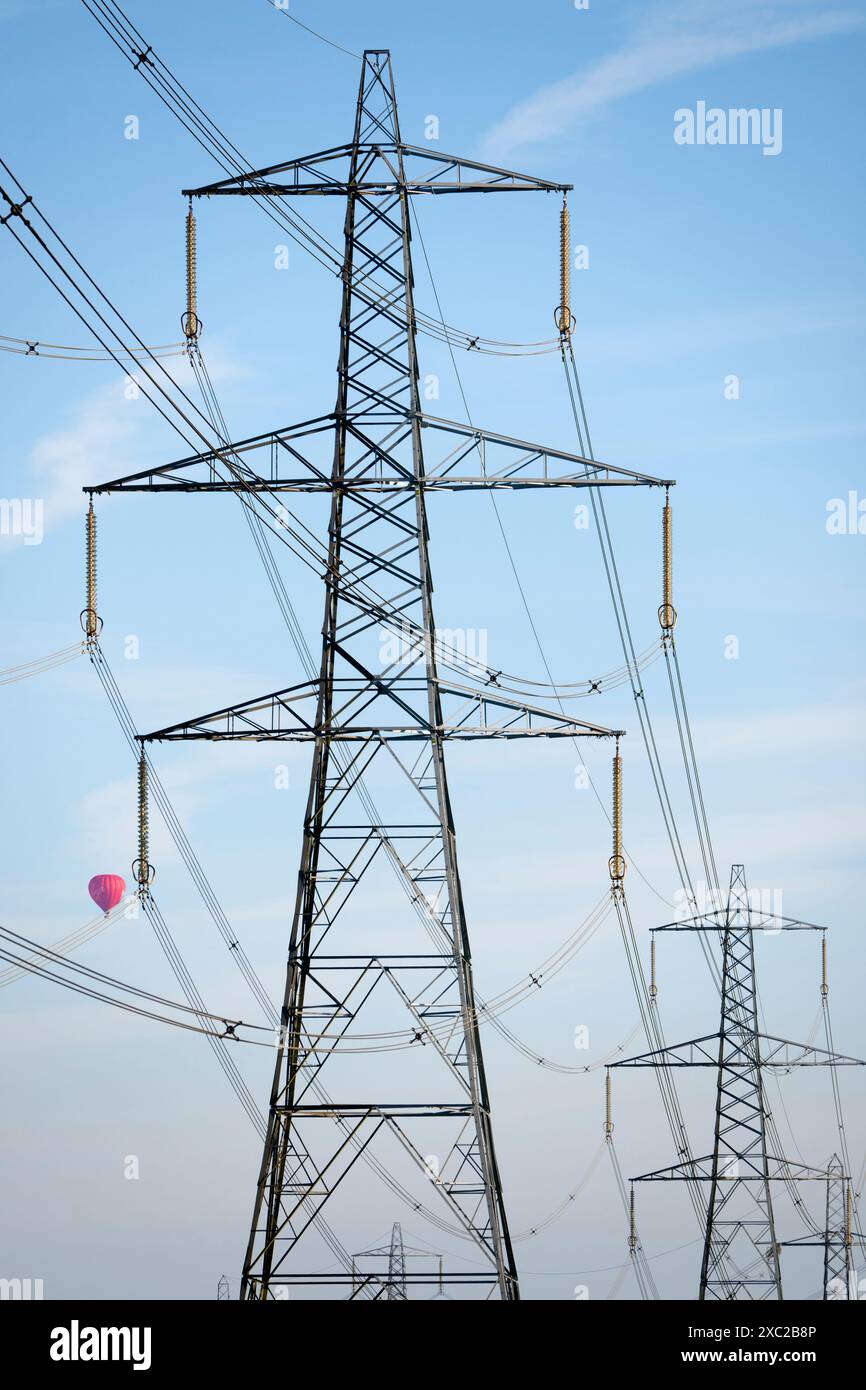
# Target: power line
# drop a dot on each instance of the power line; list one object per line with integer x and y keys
{"x": 283, "y": 8}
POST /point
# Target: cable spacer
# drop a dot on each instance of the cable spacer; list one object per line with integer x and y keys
{"x": 15, "y": 209}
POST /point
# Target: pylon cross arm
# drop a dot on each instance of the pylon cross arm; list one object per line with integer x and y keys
{"x": 346, "y": 169}
{"x": 291, "y": 715}
{"x": 704, "y": 1052}
{"x": 749, "y": 1170}
{"x": 292, "y": 460}
{"x": 715, "y": 921}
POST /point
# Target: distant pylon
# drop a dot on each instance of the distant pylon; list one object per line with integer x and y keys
{"x": 740, "y": 1164}
{"x": 394, "y": 1286}
{"x": 396, "y": 1264}
{"x": 838, "y": 1237}
{"x": 741, "y": 1250}
{"x": 223, "y": 1292}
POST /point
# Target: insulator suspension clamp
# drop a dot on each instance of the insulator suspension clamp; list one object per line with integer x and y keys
{"x": 91, "y": 623}
{"x": 143, "y": 874}
{"x": 616, "y": 866}
{"x": 564, "y": 320}
{"x": 191, "y": 325}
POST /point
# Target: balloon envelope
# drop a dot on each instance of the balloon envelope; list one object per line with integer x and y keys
{"x": 106, "y": 890}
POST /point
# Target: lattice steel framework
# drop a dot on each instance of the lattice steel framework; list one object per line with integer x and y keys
{"x": 376, "y": 456}
{"x": 837, "y": 1238}
{"x": 392, "y": 1287}
{"x": 741, "y": 1251}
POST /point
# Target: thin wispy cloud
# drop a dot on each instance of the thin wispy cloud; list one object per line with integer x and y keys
{"x": 111, "y": 431}
{"x": 97, "y": 440}
{"x": 105, "y": 818}
{"x": 680, "y": 38}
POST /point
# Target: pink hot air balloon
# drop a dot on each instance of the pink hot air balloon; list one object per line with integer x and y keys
{"x": 106, "y": 890}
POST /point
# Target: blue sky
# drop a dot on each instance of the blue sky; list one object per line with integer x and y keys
{"x": 704, "y": 262}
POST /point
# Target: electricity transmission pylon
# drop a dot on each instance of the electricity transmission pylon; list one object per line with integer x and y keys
{"x": 396, "y": 1264}
{"x": 394, "y": 1285}
{"x": 837, "y": 1238}
{"x": 838, "y": 1235}
{"x": 378, "y": 727}
{"x": 741, "y": 1250}
{"x": 391, "y": 1287}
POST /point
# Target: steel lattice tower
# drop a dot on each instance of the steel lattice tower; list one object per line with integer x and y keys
{"x": 393, "y": 1286}
{"x": 741, "y": 1250}
{"x": 838, "y": 1264}
{"x": 740, "y": 1139}
{"x": 396, "y": 1264}
{"x": 837, "y": 1238}
{"x": 371, "y": 457}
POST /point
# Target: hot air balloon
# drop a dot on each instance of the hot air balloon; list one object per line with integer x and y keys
{"x": 106, "y": 890}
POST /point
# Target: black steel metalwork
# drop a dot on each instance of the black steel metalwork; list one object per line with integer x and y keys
{"x": 394, "y": 1282}
{"x": 387, "y": 718}
{"x": 469, "y": 459}
{"x": 837, "y": 1238}
{"x": 392, "y": 1286}
{"x": 741, "y": 1251}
